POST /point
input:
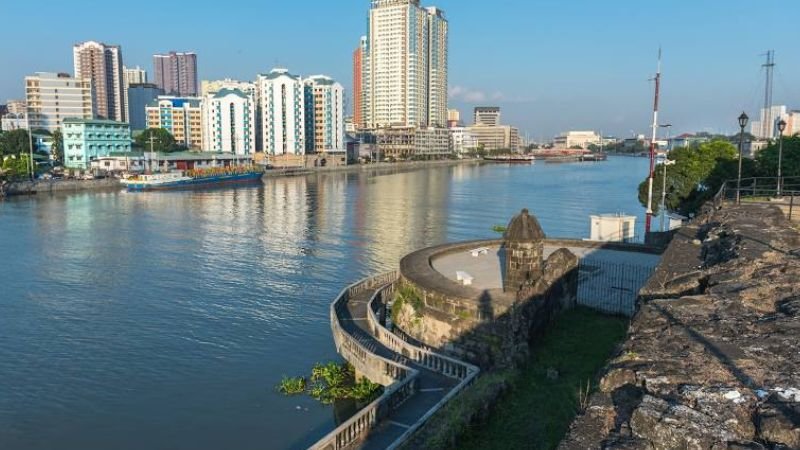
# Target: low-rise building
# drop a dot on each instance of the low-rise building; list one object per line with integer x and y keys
{"x": 165, "y": 162}
{"x": 181, "y": 116}
{"x": 577, "y": 139}
{"x": 86, "y": 140}
{"x": 11, "y": 122}
{"x": 462, "y": 141}
{"x": 493, "y": 138}
{"x": 408, "y": 142}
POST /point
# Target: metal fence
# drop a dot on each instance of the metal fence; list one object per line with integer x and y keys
{"x": 609, "y": 287}
{"x": 783, "y": 192}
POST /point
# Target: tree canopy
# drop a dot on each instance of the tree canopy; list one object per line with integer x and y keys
{"x": 14, "y": 142}
{"x": 163, "y": 141}
{"x": 767, "y": 158}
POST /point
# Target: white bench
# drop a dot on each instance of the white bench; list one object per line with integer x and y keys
{"x": 464, "y": 278}
{"x": 479, "y": 251}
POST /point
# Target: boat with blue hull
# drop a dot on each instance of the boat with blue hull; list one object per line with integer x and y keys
{"x": 192, "y": 179}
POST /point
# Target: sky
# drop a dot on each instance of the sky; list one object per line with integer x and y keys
{"x": 551, "y": 65}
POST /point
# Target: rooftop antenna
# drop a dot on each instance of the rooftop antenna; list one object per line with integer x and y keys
{"x": 653, "y": 148}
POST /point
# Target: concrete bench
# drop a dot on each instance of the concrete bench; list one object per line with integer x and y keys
{"x": 479, "y": 251}
{"x": 464, "y": 278}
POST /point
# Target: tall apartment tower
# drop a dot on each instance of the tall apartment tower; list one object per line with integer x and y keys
{"x": 102, "y": 64}
{"x": 405, "y": 59}
{"x": 53, "y": 97}
{"x": 176, "y": 73}
{"x": 131, "y": 76}
{"x": 358, "y": 86}
{"x": 324, "y": 115}
{"x": 229, "y": 119}
{"x": 281, "y": 113}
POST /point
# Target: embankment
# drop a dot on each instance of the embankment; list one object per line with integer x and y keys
{"x": 711, "y": 360}
{"x": 58, "y": 186}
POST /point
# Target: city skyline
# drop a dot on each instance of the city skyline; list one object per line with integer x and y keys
{"x": 549, "y": 74}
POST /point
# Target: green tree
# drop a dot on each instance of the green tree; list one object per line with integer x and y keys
{"x": 696, "y": 176}
{"x": 16, "y": 166}
{"x": 767, "y": 158}
{"x": 58, "y": 146}
{"x": 14, "y": 142}
{"x": 163, "y": 141}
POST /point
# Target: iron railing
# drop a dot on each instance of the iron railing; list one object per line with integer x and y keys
{"x": 611, "y": 288}
{"x": 784, "y": 192}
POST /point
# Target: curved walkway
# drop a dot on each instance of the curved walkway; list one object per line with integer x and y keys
{"x": 418, "y": 382}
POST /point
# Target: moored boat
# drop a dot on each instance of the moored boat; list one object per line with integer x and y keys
{"x": 511, "y": 159}
{"x": 193, "y": 178}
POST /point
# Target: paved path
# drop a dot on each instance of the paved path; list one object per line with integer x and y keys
{"x": 432, "y": 387}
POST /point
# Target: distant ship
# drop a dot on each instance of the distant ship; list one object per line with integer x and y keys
{"x": 511, "y": 159}
{"x": 193, "y": 178}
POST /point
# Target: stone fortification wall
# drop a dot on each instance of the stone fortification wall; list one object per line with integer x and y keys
{"x": 712, "y": 360}
{"x": 54, "y": 186}
{"x": 488, "y": 328}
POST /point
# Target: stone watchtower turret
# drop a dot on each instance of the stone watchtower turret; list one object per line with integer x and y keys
{"x": 524, "y": 249}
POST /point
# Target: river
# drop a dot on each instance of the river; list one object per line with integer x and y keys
{"x": 165, "y": 320}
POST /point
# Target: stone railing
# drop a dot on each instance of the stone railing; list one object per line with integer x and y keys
{"x": 401, "y": 380}
{"x": 450, "y": 367}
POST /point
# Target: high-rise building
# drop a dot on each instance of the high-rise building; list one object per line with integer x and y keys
{"x": 487, "y": 115}
{"x": 766, "y": 126}
{"x": 229, "y": 120}
{"x": 102, "y": 64}
{"x": 139, "y": 97}
{"x": 181, "y": 116}
{"x": 405, "y": 60}
{"x": 281, "y": 115}
{"x": 358, "y": 86}
{"x": 130, "y": 76}
{"x": 176, "y": 73}
{"x": 324, "y": 115}
{"x": 53, "y": 97}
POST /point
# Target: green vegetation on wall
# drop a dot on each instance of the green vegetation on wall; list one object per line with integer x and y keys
{"x": 331, "y": 382}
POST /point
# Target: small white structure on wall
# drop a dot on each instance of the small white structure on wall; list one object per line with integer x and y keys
{"x": 613, "y": 228}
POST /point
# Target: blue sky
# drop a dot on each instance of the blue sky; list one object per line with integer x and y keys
{"x": 552, "y": 65}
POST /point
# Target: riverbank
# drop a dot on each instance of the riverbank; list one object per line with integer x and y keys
{"x": 66, "y": 186}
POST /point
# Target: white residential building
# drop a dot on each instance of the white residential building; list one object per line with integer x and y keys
{"x": 324, "y": 115}
{"x": 462, "y": 141}
{"x": 405, "y": 65}
{"x": 281, "y": 115}
{"x": 53, "y": 97}
{"x": 102, "y": 64}
{"x": 130, "y": 76}
{"x": 765, "y": 127}
{"x": 229, "y": 119}
{"x": 213, "y": 86}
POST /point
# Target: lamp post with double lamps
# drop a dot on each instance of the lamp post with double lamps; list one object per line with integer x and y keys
{"x": 781, "y": 129}
{"x": 743, "y": 119}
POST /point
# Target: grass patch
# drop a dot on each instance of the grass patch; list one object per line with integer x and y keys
{"x": 538, "y": 410}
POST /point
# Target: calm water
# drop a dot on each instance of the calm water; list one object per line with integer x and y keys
{"x": 164, "y": 321}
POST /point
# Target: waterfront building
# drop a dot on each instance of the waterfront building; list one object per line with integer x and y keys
{"x": 137, "y": 162}
{"x": 405, "y": 66}
{"x": 176, "y": 73}
{"x": 493, "y": 138}
{"x": 281, "y": 115}
{"x": 574, "y": 139}
{"x": 229, "y": 119}
{"x": 208, "y": 87}
{"x": 487, "y": 116}
{"x": 131, "y": 76}
{"x": 324, "y": 115}
{"x": 86, "y": 140}
{"x": 688, "y": 140}
{"x": 139, "y": 97}
{"x": 462, "y": 141}
{"x": 407, "y": 142}
{"x": 53, "y": 97}
{"x": 358, "y": 85}
{"x": 102, "y": 64}
{"x": 613, "y": 228}
{"x": 181, "y": 116}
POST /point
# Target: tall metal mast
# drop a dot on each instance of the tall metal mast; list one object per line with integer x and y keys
{"x": 768, "y": 122}
{"x": 653, "y": 148}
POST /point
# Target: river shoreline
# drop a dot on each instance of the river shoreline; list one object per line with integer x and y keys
{"x": 23, "y": 188}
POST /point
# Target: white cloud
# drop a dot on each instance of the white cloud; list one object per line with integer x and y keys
{"x": 464, "y": 94}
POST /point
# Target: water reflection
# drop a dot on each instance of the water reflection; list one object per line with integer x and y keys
{"x": 164, "y": 320}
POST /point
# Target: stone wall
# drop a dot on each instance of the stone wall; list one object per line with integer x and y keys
{"x": 54, "y": 186}
{"x": 487, "y": 328}
{"x": 712, "y": 358}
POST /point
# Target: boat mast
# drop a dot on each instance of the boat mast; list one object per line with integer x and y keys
{"x": 653, "y": 148}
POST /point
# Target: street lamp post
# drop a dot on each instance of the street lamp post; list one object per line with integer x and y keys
{"x": 666, "y": 163}
{"x": 743, "y": 119}
{"x": 781, "y": 129}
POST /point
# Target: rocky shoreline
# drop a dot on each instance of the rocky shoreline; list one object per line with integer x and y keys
{"x": 712, "y": 359}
